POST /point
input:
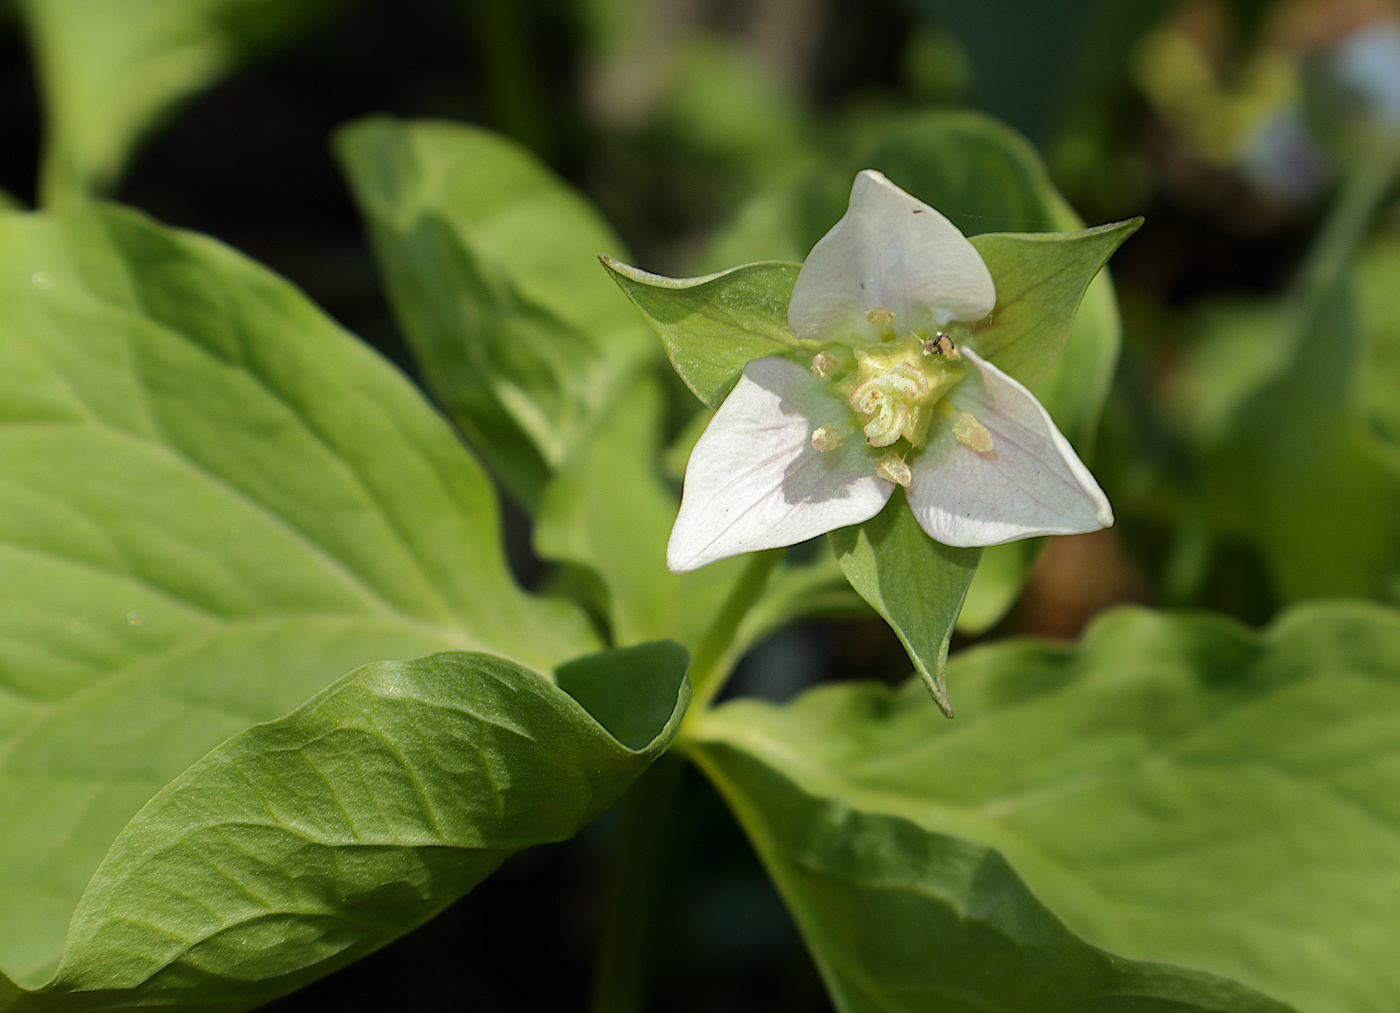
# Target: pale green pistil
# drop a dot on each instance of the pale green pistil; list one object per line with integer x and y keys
{"x": 895, "y": 386}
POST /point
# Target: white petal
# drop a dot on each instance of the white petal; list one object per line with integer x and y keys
{"x": 890, "y": 250}
{"x": 754, "y": 480}
{"x": 1030, "y": 483}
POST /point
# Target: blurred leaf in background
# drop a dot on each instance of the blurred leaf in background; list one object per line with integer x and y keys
{"x": 521, "y": 337}
{"x": 112, "y": 69}
{"x": 1032, "y": 63}
{"x": 694, "y": 106}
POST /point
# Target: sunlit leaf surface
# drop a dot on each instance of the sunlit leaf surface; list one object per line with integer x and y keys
{"x": 1175, "y": 789}
{"x": 213, "y": 503}
{"x": 302, "y": 844}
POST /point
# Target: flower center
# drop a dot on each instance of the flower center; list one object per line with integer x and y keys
{"x": 896, "y": 385}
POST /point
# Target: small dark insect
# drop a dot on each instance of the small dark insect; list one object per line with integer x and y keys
{"x": 941, "y": 344}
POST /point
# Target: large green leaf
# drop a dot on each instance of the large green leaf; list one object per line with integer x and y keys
{"x": 904, "y": 920}
{"x": 491, "y": 270}
{"x": 712, "y": 326}
{"x": 306, "y": 842}
{"x": 1176, "y": 789}
{"x": 213, "y": 502}
{"x": 111, "y": 69}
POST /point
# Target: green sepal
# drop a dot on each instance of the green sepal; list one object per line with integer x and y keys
{"x": 1040, "y": 278}
{"x": 915, "y": 583}
{"x": 712, "y": 326}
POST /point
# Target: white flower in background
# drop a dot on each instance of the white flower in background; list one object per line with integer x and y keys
{"x": 888, "y": 400}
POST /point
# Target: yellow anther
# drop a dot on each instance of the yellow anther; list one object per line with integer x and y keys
{"x": 881, "y": 317}
{"x": 824, "y": 364}
{"x": 827, "y": 438}
{"x": 971, "y": 433}
{"x": 892, "y": 468}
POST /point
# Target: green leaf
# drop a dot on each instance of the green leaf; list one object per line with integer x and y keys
{"x": 801, "y": 587}
{"x": 489, "y": 262}
{"x": 900, "y": 919}
{"x": 633, "y": 692}
{"x": 1297, "y": 455}
{"x": 9, "y": 202}
{"x": 1379, "y": 303}
{"x": 112, "y": 69}
{"x": 1174, "y": 788}
{"x": 304, "y": 843}
{"x": 915, "y": 583}
{"x": 979, "y": 172}
{"x": 1040, "y": 279}
{"x": 1235, "y": 351}
{"x": 713, "y": 325}
{"x": 213, "y": 502}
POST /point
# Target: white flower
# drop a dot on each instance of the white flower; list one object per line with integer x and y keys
{"x": 889, "y": 399}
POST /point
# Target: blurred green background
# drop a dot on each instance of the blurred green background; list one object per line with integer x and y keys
{"x": 1249, "y": 444}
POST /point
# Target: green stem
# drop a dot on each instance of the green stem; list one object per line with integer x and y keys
{"x": 1347, "y": 224}
{"x": 710, "y": 662}
{"x": 643, "y": 846}
{"x": 515, "y": 99}
{"x": 641, "y": 855}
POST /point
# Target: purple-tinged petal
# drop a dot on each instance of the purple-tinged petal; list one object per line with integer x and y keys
{"x": 754, "y": 480}
{"x": 891, "y": 251}
{"x": 1030, "y": 483}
